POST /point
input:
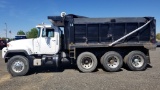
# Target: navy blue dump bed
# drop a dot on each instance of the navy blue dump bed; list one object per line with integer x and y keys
{"x": 79, "y": 29}
{"x": 103, "y": 30}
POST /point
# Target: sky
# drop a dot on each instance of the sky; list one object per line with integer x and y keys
{"x": 26, "y": 14}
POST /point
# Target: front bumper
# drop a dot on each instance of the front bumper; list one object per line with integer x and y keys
{"x": 4, "y": 51}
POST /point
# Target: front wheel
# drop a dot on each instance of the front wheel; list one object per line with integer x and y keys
{"x": 18, "y": 65}
{"x": 87, "y": 62}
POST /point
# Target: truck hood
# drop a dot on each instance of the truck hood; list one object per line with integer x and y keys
{"x": 23, "y": 44}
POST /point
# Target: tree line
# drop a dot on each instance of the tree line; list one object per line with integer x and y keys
{"x": 158, "y": 36}
{"x": 33, "y": 33}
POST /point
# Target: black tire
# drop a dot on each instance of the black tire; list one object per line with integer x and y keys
{"x": 83, "y": 61}
{"x": 112, "y": 61}
{"x": 23, "y": 61}
{"x": 101, "y": 59}
{"x": 136, "y": 55}
{"x": 125, "y": 59}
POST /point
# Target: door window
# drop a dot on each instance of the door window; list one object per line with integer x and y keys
{"x": 48, "y": 33}
{"x": 43, "y": 33}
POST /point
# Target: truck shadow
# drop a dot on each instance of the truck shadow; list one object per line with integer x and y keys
{"x": 149, "y": 66}
{"x": 126, "y": 68}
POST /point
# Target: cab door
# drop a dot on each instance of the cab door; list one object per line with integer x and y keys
{"x": 48, "y": 41}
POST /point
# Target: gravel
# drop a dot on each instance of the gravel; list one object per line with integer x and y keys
{"x": 70, "y": 78}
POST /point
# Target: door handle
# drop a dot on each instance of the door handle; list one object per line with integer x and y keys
{"x": 54, "y": 40}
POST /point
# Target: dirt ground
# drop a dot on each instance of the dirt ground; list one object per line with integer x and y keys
{"x": 69, "y": 78}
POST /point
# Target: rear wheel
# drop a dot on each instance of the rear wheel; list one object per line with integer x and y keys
{"x": 112, "y": 61}
{"x": 136, "y": 61}
{"x": 18, "y": 65}
{"x": 87, "y": 62}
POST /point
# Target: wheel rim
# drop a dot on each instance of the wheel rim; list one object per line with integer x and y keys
{"x": 113, "y": 62}
{"x": 87, "y": 62}
{"x": 137, "y": 61}
{"x": 18, "y": 66}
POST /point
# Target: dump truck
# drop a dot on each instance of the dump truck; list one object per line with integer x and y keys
{"x": 86, "y": 42}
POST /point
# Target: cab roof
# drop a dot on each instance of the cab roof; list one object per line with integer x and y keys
{"x": 44, "y": 25}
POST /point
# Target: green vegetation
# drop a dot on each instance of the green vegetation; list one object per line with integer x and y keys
{"x": 158, "y": 36}
{"x": 33, "y": 33}
{"x": 20, "y": 32}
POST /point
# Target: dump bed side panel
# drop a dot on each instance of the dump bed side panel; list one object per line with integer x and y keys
{"x": 109, "y": 30}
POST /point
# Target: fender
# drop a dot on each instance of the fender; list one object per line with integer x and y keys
{"x": 29, "y": 57}
{"x": 15, "y": 51}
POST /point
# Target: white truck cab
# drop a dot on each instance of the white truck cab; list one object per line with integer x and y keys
{"x": 47, "y": 41}
{"x": 47, "y": 44}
